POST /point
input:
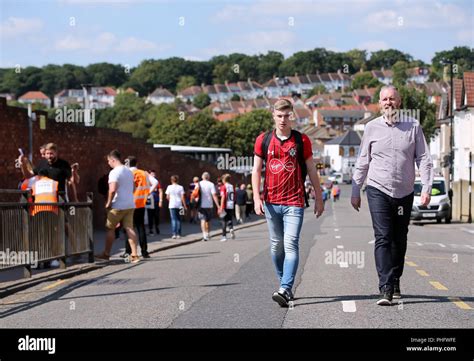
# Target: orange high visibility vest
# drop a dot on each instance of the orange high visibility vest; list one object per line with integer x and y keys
{"x": 28, "y": 184}
{"x": 142, "y": 188}
{"x": 45, "y": 190}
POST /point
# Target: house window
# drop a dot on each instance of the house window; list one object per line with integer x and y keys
{"x": 341, "y": 151}
{"x": 351, "y": 151}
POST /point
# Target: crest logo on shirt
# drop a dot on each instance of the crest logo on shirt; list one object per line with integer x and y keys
{"x": 292, "y": 152}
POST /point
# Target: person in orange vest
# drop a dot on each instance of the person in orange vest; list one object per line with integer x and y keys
{"x": 44, "y": 190}
{"x": 335, "y": 192}
{"x": 144, "y": 185}
{"x": 27, "y": 184}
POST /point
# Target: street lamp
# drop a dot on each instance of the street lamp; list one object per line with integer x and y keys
{"x": 451, "y": 135}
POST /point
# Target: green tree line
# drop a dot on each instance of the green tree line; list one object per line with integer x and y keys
{"x": 177, "y": 73}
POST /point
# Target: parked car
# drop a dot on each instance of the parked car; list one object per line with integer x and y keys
{"x": 336, "y": 178}
{"x": 339, "y": 178}
{"x": 439, "y": 207}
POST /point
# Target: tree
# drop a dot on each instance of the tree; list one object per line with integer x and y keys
{"x": 462, "y": 56}
{"x": 358, "y": 58}
{"x": 244, "y": 129}
{"x": 319, "y": 89}
{"x": 365, "y": 79}
{"x": 400, "y": 73}
{"x": 268, "y": 65}
{"x": 105, "y": 74}
{"x": 201, "y": 100}
{"x": 387, "y": 58}
{"x": 185, "y": 82}
{"x": 235, "y": 97}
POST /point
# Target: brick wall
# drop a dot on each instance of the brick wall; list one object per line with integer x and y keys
{"x": 89, "y": 146}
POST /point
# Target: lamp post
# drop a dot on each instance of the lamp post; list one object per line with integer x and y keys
{"x": 451, "y": 135}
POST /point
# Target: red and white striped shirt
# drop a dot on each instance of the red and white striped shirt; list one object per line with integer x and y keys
{"x": 283, "y": 183}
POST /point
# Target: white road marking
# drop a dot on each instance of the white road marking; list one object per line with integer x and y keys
{"x": 349, "y": 306}
{"x": 337, "y": 237}
{"x": 372, "y": 241}
{"x": 343, "y": 265}
{"x": 336, "y": 229}
{"x": 468, "y": 230}
{"x": 339, "y": 246}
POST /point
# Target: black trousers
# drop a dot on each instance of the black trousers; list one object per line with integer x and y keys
{"x": 139, "y": 224}
{"x": 227, "y": 221}
{"x": 154, "y": 219}
{"x": 390, "y": 220}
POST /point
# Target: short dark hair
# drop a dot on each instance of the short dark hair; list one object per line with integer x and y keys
{"x": 132, "y": 161}
{"x": 115, "y": 154}
{"x": 174, "y": 178}
{"x": 44, "y": 172}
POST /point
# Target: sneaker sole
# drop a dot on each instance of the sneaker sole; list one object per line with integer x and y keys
{"x": 396, "y": 297}
{"x": 280, "y": 300}
{"x": 384, "y": 302}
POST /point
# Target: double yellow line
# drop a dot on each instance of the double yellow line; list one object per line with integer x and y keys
{"x": 439, "y": 286}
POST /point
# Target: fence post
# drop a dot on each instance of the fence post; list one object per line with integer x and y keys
{"x": 26, "y": 224}
{"x": 90, "y": 198}
{"x": 62, "y": 225}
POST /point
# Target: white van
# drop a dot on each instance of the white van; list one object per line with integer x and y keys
{"x": 439, "y": 207}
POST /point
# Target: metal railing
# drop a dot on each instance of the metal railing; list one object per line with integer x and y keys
{"x": 27, "y": 240}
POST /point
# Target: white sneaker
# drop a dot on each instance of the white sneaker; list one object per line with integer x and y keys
{"x": 55, "y": 263}
{"x": 223, "y": 239}
{"x": 178, "y": 236}
{"x": 232, "y": 234}
{"x": 174, "y": 236}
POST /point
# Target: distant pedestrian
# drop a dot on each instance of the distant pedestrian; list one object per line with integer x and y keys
{"x": 226, "y": 209}
{"x": 177, "y": 205}
{"x": 120, "y": 206}
{"x": 204, "y": 194}
{"x": 144, "y": 185}
{"x": 249, "y": 209}
{"x": 193, "y": 206}
{"x": 241, "y": 204}
{"x": 156, "y": 197}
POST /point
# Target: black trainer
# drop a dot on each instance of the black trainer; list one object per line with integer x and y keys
{"x": 396, "y": 289}
{"x": 386, "y": 295}
{"x": 282, "y": 298}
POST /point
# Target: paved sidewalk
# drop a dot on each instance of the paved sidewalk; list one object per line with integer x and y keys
{"x": 12, "y": 281}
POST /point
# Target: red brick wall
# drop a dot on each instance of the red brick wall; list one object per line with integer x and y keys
{"x": 89, "y": 146}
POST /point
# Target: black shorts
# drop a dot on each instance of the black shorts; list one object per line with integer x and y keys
{"x": 205, "y": 214}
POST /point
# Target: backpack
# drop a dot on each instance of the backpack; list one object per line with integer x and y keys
{"x": 196, "y": 195}
{"x": 299, "y": 150}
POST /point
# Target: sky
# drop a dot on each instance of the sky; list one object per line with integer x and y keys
{"x": 81, "y": 32}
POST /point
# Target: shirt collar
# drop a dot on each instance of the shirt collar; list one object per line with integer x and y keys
{"x": 395, "y": 119}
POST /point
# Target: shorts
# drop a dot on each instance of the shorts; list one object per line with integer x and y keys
{"x": 205, "y": 214}
{"x": 116, "y": 216}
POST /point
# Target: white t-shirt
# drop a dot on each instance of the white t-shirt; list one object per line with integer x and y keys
{"x": 123, "y": 198}
{"x": 207, "y": 190}
{"x": 175, "y": 192}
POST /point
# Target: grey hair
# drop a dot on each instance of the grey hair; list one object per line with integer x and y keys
{"x": 206, "y": 176}
{"x": 388, "y": 87}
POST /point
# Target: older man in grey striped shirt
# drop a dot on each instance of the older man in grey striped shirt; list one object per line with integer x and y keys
{"x": 389, "y": 149}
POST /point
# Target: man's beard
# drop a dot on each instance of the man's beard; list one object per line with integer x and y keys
{"x": 391, "y": 114}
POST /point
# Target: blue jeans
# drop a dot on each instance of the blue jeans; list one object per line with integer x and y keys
{"x": 284, "y": 226}
{"x": 175, "y": 221}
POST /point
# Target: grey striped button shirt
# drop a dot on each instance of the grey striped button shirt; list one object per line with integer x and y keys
{"x": 387, "y": 157}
